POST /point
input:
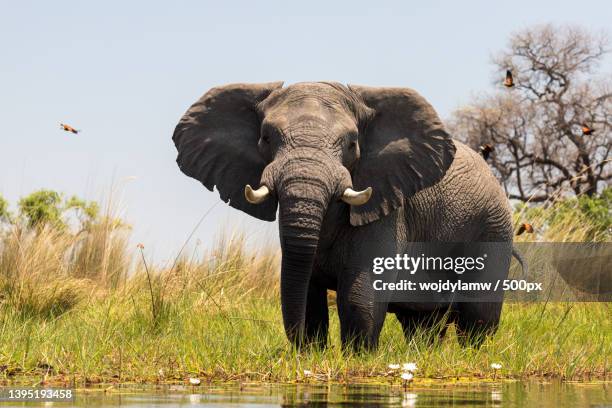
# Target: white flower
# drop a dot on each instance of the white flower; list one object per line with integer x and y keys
{"x": 496, "y": 366}
{"x": 407, "y": 376}
{"x": 394, "y": 366}
{"x": 194, "y": 381}
{"x": 161, "y": 372}
{"x": 307, "y": 373}
{"x": 409, "y": 367}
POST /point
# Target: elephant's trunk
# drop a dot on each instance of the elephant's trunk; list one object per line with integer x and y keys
{"x": 299, "y": 231}
{"x": 304, "y": 187}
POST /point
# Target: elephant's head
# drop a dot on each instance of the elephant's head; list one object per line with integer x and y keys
{"x": 305, "y": 146}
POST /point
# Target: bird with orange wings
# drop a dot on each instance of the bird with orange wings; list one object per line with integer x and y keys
{"x": 69, "y": 128}
{"x": 528, "y": 228}
{"x": 587, "y": 130}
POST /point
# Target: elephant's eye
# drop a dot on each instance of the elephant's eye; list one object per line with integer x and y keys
{"x": 265, "y": 139}
{"x": 353, "y": 145}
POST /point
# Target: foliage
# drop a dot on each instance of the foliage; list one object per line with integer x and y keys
{"x": 598, "y": 209}
{"x": 88, "y": 210}
{"x": 41, "y": 207}
{"x": 48, "y": 207}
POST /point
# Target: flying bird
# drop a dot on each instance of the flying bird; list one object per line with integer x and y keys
{"x": 509, "y": 81}
{"x": 586, "y": 130}
{"x": 525, "y": 228}
{"x": 486, "y": 150}
{"x": 69, "y": 128}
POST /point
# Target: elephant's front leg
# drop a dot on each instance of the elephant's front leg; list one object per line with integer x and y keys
{"x": 361, "y": 315}
{"x": 317, "y": 316}
{"x": 361, "y": 308}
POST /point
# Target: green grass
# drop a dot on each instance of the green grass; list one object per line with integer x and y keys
{"x": 227, "y": 337}
{"x": 82, "y": 308}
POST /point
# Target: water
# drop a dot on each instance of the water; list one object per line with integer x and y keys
{"x": 512, "y": 394}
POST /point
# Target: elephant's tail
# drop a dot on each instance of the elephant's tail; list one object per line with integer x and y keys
{"x": 520, "y": 260}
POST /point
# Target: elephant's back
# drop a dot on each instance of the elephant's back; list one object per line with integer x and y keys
{"x": 467, "y": 204}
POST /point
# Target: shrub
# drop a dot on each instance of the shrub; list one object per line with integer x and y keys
{"x": 49, "y": 207}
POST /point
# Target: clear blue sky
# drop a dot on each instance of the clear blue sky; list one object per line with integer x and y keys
{"x": 124, "y": 72}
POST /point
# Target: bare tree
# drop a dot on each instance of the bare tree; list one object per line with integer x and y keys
{"x": 535, "y": 127}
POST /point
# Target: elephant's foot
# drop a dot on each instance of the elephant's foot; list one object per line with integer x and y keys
{"x": 476, "y": 321}
{"x": 429, "y": 326}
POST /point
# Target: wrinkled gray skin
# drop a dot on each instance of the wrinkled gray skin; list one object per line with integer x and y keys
{"x": 307, "y": 143}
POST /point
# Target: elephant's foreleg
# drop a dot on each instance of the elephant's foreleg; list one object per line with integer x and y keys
{"x": 362, "y": 309}
{"x": 361, "y": 317}
{"x": 317, "y": 316}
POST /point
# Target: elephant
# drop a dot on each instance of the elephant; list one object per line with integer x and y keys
{"x": 351, "y": 169}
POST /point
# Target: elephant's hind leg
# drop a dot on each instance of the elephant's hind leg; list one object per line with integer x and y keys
{"x": 430, "y": 325}
{"x": 317, "y": 317}
{"x": 476, "y": 320}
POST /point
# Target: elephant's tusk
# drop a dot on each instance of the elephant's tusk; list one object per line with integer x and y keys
{"x": 353, "y": 197}
{"x": 256, "y": 196}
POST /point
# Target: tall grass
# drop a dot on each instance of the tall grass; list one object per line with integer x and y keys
{"x": 578, "y": 219}
{"x": 47, "y": 271}
{"x": 83, "y": 307}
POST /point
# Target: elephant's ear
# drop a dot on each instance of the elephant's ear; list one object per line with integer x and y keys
{"x": 217, "y": 140}
{"x": 404, "y": 149}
